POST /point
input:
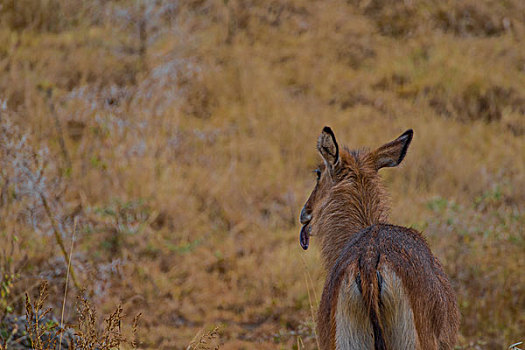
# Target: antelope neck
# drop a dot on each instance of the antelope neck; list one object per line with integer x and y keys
{"x": 348, "y": 211}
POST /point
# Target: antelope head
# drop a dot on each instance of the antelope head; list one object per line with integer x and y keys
{"x": 351, "y": 176}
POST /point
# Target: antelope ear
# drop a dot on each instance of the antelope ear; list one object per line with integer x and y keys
{"x": 392, "y": 153}
{"x": 327, "y": 146}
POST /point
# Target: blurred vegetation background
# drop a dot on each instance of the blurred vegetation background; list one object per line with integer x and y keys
{"x": 180, "y": 137}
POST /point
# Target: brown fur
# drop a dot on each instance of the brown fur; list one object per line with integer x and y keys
{"x": 347, "y": 211}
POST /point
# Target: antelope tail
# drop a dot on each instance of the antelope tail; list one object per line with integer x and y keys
{"x": 371, "y": 289}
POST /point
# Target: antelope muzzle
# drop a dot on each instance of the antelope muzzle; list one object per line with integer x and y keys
{"x": 304, "y": 236}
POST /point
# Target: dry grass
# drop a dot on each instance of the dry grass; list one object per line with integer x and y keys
{"x": 181, "y": 137}
{"x": 45, "y": 333}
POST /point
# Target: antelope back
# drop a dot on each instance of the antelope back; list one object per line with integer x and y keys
{"x": 416, "y": 307}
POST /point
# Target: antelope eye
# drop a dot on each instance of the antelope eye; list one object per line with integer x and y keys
{"x": 318, "y": 173}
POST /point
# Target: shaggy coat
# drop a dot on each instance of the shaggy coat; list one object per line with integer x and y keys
{"x": 384, "y": 287}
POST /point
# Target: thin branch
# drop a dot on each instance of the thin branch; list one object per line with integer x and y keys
{"x": 67, "y": 283}
{"x": 58, "y": 237}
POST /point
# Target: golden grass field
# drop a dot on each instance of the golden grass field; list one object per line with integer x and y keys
{"x": 180, "y": 138}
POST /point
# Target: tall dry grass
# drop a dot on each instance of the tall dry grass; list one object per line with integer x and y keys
{"x": 181, "y": 136}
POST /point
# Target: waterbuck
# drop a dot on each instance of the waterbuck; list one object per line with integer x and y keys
{"x": 384, "y": 289}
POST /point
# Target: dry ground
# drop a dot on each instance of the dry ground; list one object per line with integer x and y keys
{"x": 181, "y": 138}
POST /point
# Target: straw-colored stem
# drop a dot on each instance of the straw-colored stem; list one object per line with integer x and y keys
{"x": 58, "y": 237}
